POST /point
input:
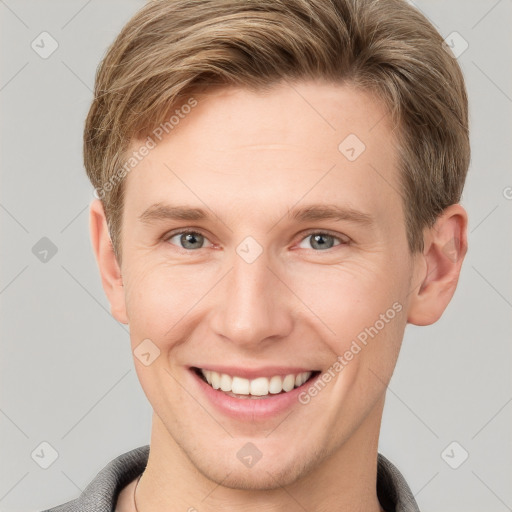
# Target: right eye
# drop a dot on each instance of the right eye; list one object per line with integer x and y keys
{"x": 187, "y": 239}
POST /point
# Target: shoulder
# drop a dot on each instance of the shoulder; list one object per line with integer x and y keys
{"x": 102, "y": 492}
{"x": 393, "y": 492}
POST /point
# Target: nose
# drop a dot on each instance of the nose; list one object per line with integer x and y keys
{"x": 253, "y": 305}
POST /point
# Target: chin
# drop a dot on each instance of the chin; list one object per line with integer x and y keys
{"x": 265, "y": 475}
{"x": 253, "y": 479}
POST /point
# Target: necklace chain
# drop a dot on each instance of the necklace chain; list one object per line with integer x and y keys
{"x": 134, "y": 492}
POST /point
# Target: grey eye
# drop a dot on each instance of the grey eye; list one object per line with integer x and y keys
{"x": 321, "y": 241}
{"x": 189, "y": 240}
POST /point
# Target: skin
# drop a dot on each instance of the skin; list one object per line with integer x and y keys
{"x": 249, "y": 158}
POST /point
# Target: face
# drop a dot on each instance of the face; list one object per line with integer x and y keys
{"x": 265, "y": 280}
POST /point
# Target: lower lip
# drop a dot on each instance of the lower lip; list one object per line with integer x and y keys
{"x": 251, "y": 409}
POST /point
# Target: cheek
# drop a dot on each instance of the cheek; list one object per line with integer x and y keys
{"x": 348, "y": 297}
{"x": 159, "y": 297}
{"x": 359, "y": 310}
{"x": 339, "y": 302}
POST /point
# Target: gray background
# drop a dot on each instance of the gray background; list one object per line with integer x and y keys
{"x": 67, "y": 375}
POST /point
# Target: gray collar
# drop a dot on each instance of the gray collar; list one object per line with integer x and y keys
{"x": 101, "y": 494}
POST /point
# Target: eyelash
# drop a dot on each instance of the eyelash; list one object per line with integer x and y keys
{"x": 341, "y": 241}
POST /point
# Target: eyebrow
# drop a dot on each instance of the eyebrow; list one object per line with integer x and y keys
{"x": 314, "y": 212}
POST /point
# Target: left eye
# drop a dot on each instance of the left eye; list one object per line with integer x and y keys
{"x": 322, "y": 241}
{"x": 193, "y": 240}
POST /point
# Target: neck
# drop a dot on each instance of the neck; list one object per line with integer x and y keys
{"x": 342, "y": 479}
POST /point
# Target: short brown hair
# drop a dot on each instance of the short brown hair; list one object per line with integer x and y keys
{"x": 171, "y": 49}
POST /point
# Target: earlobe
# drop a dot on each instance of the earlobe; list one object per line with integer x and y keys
{"x": 441, "y": 262}
{"x": 108, "y": 266}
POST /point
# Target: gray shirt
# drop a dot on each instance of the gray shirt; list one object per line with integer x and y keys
{"x": 101, "y": 494}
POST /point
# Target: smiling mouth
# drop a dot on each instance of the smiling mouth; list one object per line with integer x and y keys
{"x": 260, "y": 387}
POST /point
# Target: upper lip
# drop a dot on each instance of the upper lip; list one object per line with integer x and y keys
{"x": 253, "y": 373}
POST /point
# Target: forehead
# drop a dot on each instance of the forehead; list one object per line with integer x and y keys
{"x": 311, "y": 140}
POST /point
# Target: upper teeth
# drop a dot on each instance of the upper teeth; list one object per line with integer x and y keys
{"x": 260, "y": 386}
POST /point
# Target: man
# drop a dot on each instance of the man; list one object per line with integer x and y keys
{"x": 278, "y": 186}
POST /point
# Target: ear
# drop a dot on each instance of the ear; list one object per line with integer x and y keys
{"x": 110, "y": 271}
{"x": 440, "y": 264}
